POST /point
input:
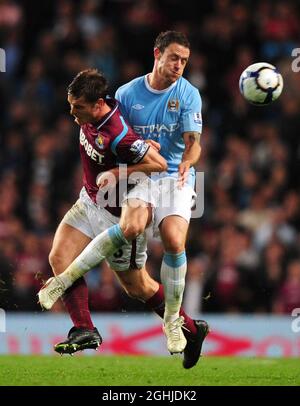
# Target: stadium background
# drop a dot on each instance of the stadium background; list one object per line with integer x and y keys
{"x": 244, "y": 251}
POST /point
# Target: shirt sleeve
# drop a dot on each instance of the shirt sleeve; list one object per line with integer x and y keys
{"x": 191, "y": 118}
{"x": 131, "y": 149}
{"x": 122, "y": 103}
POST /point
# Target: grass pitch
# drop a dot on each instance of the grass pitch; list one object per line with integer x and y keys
{"x": 145, "y": 371}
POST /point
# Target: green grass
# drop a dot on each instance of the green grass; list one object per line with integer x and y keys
{"x": 147, "y": 371}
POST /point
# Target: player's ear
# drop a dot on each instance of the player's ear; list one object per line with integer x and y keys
{"x": 157, "y": 53}
{"x": 99, "y": 104}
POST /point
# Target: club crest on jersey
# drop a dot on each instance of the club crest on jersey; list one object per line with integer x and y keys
{"x": 99, "y": 141}
{"x": 173, "y": 105}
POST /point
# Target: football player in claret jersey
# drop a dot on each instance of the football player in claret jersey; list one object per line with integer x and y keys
{"x": 105, "y": 140}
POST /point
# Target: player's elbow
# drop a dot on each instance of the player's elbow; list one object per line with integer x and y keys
{"x": 156, "y": 161}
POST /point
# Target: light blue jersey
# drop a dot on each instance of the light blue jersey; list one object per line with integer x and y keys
{"x": 163, "y": 116}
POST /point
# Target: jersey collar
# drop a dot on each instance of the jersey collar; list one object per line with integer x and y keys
{"x": 154, "y": 90}
{"x": 114, "y": 105}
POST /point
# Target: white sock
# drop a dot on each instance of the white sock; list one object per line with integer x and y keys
{"x": 101, "y": 247}
{"x": 173, "y": 270}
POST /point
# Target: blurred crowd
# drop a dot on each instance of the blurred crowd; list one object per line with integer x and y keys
{"x": 244, "y": 252}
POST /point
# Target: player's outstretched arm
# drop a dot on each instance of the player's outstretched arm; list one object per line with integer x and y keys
{"x": 190, "y": 156}
{"x": 151, "y": 162}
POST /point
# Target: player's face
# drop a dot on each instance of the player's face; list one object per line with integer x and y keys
{"x": 83, "y": 111}
{"x": 172, "y": 61}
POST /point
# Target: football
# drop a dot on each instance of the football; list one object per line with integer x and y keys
{"x": 261, "y": 83}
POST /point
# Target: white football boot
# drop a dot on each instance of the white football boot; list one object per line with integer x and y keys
{"x": 176, "y": 340}
{"x": 53, "y": 289}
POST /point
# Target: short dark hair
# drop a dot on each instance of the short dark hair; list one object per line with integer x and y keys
{"x": 89, "y": 83}
{"x": 166, "y": 38}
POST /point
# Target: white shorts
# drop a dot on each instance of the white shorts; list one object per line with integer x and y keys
{"x": 166, "y": 198}
{"x": 92, "y": 220}
{"x": 146, "y": 190}
{"x": 173, "y": 201}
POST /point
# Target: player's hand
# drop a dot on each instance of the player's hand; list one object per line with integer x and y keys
{"x": 107, "y": 180}
{"x": 154, "y": 144}
{"x": 183, "y": 173}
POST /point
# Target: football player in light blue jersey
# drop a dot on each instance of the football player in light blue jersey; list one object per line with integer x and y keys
{"x": 164, "y": 116}
{"x": 165, "y": 108}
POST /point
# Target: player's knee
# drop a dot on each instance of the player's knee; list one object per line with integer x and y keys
{"x": 56, "y": 262}
{"x": 174, "y": 245}
{"x": 132, "y": 231}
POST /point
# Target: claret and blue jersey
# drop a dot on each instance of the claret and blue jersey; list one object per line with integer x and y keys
{"x": 163, "y": 116}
